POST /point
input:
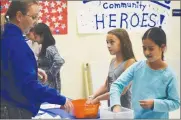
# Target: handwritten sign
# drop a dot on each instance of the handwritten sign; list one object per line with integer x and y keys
{"x": 101, "y": 16}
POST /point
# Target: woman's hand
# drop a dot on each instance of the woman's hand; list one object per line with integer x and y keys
{"x": 42, "y": 74}
{"x": 68, "y": 106}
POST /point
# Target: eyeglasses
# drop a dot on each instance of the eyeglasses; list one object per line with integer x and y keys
{"x": 33, "y": 17}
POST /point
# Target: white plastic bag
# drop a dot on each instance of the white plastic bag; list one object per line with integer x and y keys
{"x": 106, "y": 113}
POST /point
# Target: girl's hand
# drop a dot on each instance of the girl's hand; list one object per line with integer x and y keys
{"x": 147, "y": 104}
{"x": 89, "y": 100}
{"x": 92, "y": 100}
{"x": 95, "y": 101}
{"x": 116, "y": 108}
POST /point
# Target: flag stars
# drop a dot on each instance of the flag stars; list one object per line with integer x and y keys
{"x": 64, "y": 5}
{"x": 63, "y": 26}
{"x": 57, "y": 24}
{"x": 52, "y": 4}
{"x": 58, "y": 2}
{"x": 59, "y": 9}
{"x": 53, "y": 11}
{"x": 46, "y": 3}
{"x": 46, "y": 10}
{"x": 53, "y": 19}
{"x": 60, "y": 17}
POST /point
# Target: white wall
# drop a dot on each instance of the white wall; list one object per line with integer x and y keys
{"x": 77, "y": 49}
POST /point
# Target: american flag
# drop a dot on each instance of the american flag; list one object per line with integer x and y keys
{"x": 52, "y": 12}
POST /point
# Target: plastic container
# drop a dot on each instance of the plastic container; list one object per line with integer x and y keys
{"x": 82, "y": 110}
{"x": 106, "y": 113}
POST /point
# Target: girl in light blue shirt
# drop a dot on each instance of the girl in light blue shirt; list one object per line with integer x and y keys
{"x": 154, "y": 85}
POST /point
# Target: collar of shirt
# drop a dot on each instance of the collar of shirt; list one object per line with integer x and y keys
{"x": 12, "y": 29}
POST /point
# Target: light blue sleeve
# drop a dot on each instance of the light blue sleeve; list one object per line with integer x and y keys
{"x": 118, "y": 86}
{"x": 172, "y": 102}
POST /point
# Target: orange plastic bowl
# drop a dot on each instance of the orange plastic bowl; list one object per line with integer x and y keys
{"x": 82, "y": 110}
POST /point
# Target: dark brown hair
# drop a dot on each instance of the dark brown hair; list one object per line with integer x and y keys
{"x": 44, "y": 31}
{"x": 18, "y": 5}
{"x": 126, "y": 46}
{"x": 157, "y": 35}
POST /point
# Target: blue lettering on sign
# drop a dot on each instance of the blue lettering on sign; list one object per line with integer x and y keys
{"x": 104, "y": 5}
{"x": 152, "y": 20}
{"x": 128, "y": 20}
{"x": 88, "y": 1}
{"x": 111, "y": 20}
{"x": 99, "y": 21}
{"x": 162, "y": 4}
{"x": 132, "y": 20}
{"x": 161, "y": 19}
{"x": 124, "y": 19}
{"x": 138, "y": 4}
{"x": 144, "y": 20}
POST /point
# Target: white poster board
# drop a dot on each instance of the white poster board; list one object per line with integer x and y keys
{"x": 101, "y": 16}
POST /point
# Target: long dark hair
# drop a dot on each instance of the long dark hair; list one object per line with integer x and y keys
{"x": 157, "y": 35}
{"x": 126, "y": 46}
{"x": 18, "y": 5}
{"x": 44, "y": 32}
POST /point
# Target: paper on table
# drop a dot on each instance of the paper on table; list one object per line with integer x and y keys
{"x": 40, "y": 112}
{"x": 46, "y": 116}
{"x": 49, "y": 106}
